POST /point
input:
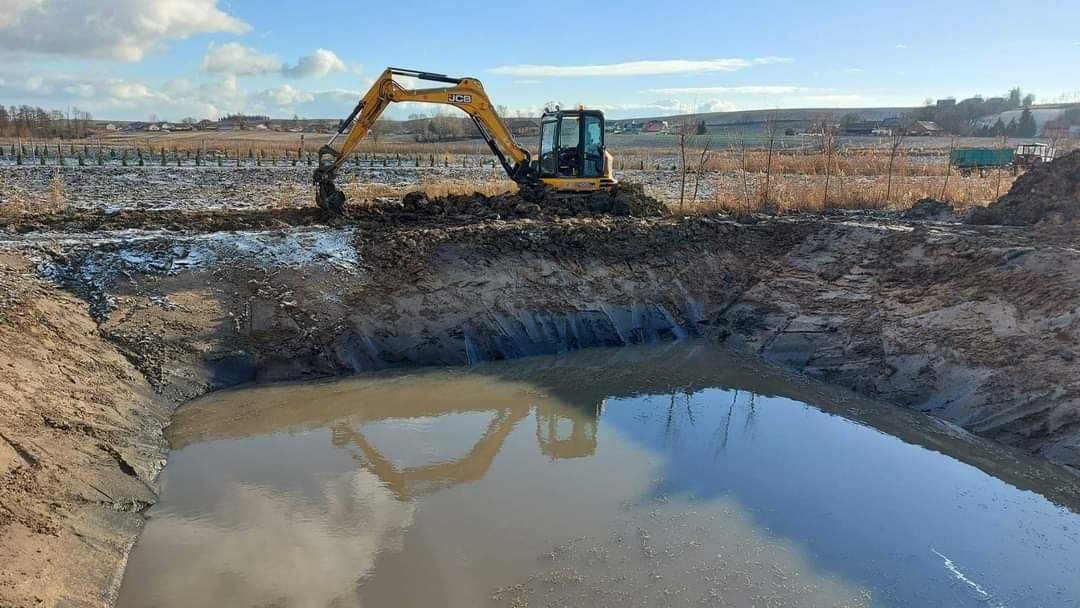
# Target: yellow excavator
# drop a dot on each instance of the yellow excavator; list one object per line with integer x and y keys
{"x": 572, "y": 155}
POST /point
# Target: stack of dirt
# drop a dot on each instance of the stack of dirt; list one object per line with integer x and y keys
{"x": 622, "y": 200}
{"x": 1047, "y": 193}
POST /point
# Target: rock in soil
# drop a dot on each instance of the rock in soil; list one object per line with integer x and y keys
{"x": 930, "y": 210}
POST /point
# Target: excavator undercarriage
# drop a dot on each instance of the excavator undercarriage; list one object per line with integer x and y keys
{"x": 572, "y": 158}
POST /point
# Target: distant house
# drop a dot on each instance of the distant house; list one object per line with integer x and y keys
{"x": 864, "y": 127}
{"x": 111, "y": 127}
{"x": 924, "y": 127}
{"x": 523, "y": 127}
{"x": 153, "y": 127}
{"x": 183, "y": 127}
{"x": 655, "y": 126}
{"x": 1056, "y": 129}
{"x": 261, "y": 127}
{"x": 207, "y": 125}
{"x": 882, "y": 132}
{"x": 893, "y": 123}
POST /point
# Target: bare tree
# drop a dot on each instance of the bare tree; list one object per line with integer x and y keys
{"x": 685, "y": 133}
{"x": 739, "y": 145}
{"x": 770, "y": 142}
{"x": 997, "y": 189}
{"x": 898, "y": 139}
{"x": 703, "y": 159}
{"x": 948, "y": 167}
{"x": 828, "y": 146}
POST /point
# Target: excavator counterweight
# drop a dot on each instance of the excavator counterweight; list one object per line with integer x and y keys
{"x": 572, "y": 155}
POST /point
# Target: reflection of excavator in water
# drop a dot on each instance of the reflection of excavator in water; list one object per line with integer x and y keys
{"x": 572, "y": 155}
{"x": 409, "y": 483}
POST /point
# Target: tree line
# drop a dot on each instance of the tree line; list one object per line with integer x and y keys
{"x": 961, "y": 117}
{"x": 32, "y": 121}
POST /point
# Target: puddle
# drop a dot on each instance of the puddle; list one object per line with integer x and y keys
{"x": 670, "y": 475}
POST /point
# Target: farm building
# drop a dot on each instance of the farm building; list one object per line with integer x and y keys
{"x": 655, "y": 126}
{"x": 924, "y": 127}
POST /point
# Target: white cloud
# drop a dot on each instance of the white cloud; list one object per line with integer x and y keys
{"x": 238, "y": 60}
{"x": 80, "y": 90}
{"x": 734, "y": 90}
{"x": 123, "y": 30}
{"x": 854, "y": 70}
{"x": 839, "y": 99}
{"x": 123, "y": 90}
{"x": 637, "y": 68}
{"x": 661, "y": 106}
{"x": 286, "y": 96}
{"x": 717, "y": 106}
{"x": 318, "y": 64}
{"x": 901, "y": 46}
{"x": 526, "y": 82}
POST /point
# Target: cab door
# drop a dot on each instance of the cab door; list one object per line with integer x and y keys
{"x": 569, "y": 146}
{"x": 549, "y": 154}
{"x": 592, "y": 146}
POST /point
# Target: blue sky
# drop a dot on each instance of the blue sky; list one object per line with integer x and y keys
{"x": 130, "y": 59}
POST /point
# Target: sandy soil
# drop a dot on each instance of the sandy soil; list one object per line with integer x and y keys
{"x": 80, "y": 446}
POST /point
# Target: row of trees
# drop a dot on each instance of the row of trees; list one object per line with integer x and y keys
{"x": 1025, "y": 126}
{"x": 960, "y": 117}
{"x": 31, "y": 121}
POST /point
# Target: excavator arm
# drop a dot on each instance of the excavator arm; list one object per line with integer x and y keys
{"x": 466, "y": 94}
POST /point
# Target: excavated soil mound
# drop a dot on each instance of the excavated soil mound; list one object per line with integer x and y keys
{"x": 1049, "y": 193}
{"x": 622, "y": 200}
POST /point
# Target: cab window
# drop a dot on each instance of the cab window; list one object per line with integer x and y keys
{"x": 593, "y": 147}
{"x": 569, "y": 128}
{"x": 548, "y": 161}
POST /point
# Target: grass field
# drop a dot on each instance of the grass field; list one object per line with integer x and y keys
{"x": 731, "y": 174}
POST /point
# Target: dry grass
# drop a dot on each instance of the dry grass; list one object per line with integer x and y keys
{"x": 806, "y": 193}
{"x": 851, "y": 162}
{"x": 17, "y": 202}
{"x": 361, "y": 192}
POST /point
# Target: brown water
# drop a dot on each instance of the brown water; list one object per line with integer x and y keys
{"x": 670, "y": 475}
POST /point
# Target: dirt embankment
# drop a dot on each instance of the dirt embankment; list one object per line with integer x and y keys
{"x": 976, "y": 325}
{"x": 80, "y": 447}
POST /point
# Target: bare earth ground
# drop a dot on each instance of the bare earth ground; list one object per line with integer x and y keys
{"x": 111, "y": 317}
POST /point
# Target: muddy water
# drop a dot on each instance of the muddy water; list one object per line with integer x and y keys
{"x": 672, "y": 475}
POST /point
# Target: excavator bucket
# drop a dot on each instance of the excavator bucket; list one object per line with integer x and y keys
{"x": 327, "y": 195}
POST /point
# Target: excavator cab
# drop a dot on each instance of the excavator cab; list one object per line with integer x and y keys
{"x": 572, "y": 155}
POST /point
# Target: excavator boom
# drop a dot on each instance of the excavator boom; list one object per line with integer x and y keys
{"x": 466, "y": 94}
